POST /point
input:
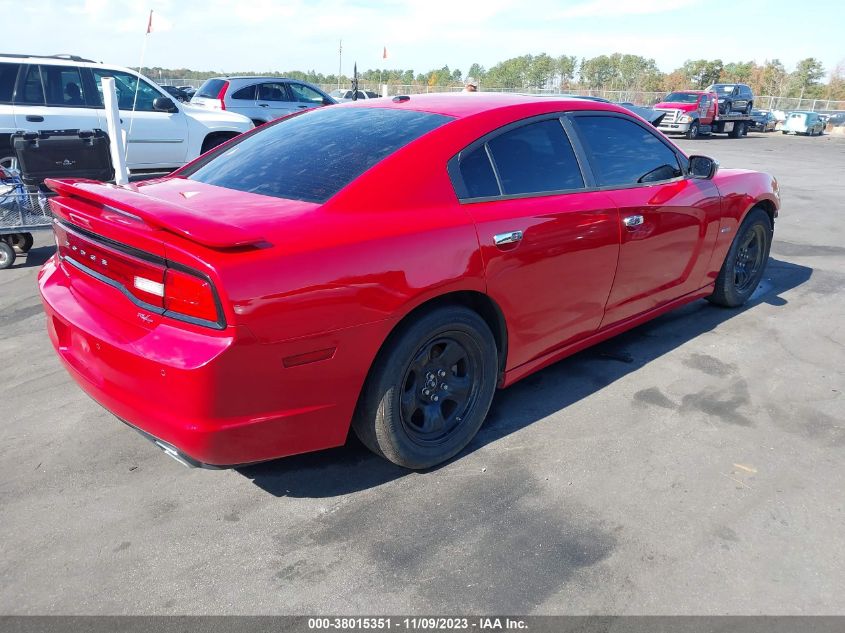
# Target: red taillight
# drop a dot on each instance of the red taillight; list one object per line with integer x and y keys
{"x": 175, "y": 293}
{"x": 222, "y": 94}
{"x": 189, "y": 295}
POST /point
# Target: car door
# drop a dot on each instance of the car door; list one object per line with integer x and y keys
{"x": 275, "y": 98}
{"x": 52, "y": 97}
{"x": 154, "y": 139}
{"x": 668, "y": 222}
{"x": 549, "y": 246}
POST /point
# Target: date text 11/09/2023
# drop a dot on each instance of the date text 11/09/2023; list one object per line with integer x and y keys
{"x": 417, "y": 623}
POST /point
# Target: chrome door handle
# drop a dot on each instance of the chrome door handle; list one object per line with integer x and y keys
{"x": 633, "y": 221}
{"x": 507, "y": 238}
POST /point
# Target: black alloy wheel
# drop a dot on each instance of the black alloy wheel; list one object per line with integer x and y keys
{"x": 429, "y": 389}
{"x": 440, "y": 387}
{"x": 745, "y": 261}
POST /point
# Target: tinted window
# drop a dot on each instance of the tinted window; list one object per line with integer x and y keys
{"x": 248, "y": 93}
{"x": 273, "y": 92}
{"x": 477, "y": 174}
{"x": 312, "y": 156}
{"x": 62, "y": 86}
{"x": 211, "y": 88}
{"x": 31, "y": 90}
{"x": 125, "y": 86}
{"x": 304, "y": 94}
{"x": 681, "y": 97}
{"x": 624, "y": 153}
{"x": 535, "y": 158}
{"x": 8, "y": 74}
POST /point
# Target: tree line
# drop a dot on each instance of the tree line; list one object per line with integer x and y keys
{"x": 808, "y": 79}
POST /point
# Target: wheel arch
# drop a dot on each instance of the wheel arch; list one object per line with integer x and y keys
{"x": 478, "y": 302}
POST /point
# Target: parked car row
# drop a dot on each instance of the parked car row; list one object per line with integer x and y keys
{"x": 261, "y": 99}
{"x": 61, "y": 92}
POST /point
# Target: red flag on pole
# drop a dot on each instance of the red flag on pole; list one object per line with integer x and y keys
{"x": 384, "y": 54}
{"x": 150, "y": 23}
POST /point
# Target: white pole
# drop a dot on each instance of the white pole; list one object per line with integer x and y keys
{"x": 118, "y": 156}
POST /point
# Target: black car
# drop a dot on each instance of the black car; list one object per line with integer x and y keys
{"x": 177, "y": 93}
{"x": 188, "y": 90}
{"x": 734, "y": 97}
{"x": 762, "y": 121}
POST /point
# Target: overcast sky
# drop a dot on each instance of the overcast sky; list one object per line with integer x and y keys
{"x": 268, "y": 35}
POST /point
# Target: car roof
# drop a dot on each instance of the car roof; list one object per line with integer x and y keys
{"x": 465, "y": 104}
{"x": 255, "y": 78}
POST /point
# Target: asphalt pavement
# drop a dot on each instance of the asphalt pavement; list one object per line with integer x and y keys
{"x": 691, "y": 466}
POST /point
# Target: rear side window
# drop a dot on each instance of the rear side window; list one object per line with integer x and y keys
{"x": 314, "y": 155}
{"x": 8, "y": 75}
{"x": 536, "y": 158}
{"x": 477, "y": 174}
{"x": 623, "y": 153}
{"x": 211, "y": 88}
{"x": 62, "y": 86}
{"x": 273, "y": 92}
{"x": 246, "y": 94}
{"x": 31, "y": 90}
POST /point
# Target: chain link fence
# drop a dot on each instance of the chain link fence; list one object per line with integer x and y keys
{"x": 638, "y": 97}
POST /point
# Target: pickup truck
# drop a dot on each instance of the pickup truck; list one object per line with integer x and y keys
{"x": 696, "y": 112}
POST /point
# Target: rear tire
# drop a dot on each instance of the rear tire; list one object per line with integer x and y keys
{"x": 7, "y": 255}
{"x": 22, "y": 242}
{"x": 429, "y": 389}
{"x": 745, "y": 262}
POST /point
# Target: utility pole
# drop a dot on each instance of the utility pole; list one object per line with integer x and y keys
{"x": 339, "y": 61}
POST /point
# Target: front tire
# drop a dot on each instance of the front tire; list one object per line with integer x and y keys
{"x": 430, "y": 389}
{"x": 745, "y": 262}
{"x": 692, "y": 132}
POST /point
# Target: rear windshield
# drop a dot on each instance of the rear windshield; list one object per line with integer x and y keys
{"x": 211, "y": 88}
{"x": 681, "y": 97}
{"x": 314, "y": 155}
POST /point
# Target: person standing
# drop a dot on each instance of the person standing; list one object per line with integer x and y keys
{"x": 470, "y": 85}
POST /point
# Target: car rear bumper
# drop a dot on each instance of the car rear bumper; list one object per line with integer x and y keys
{"x": 219, "y": 399}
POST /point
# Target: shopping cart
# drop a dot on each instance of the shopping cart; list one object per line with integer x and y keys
{"x": 24, "y": 200}
{"x": 22, "y": 211}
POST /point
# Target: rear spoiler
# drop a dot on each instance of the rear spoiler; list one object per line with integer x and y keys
{"x": 170, "y": 217}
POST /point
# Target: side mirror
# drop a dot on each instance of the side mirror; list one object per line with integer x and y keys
{"x": 164, "y": 104}
{"x": 702, "y": 167}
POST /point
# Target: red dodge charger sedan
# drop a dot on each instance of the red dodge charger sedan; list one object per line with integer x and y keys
{"x": 385, "y": 264}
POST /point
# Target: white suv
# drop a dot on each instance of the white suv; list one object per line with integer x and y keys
{"x": 64, "y": 92}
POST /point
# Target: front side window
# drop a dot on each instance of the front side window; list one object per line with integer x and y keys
{"x": 623, "y": 153}
{"x": 125, "y": 85}
{"x": 313, "y": 155}
{"x": 62, "y": 86}
{"x": 8, "y": 76}
{"x": 304, "y": 94}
